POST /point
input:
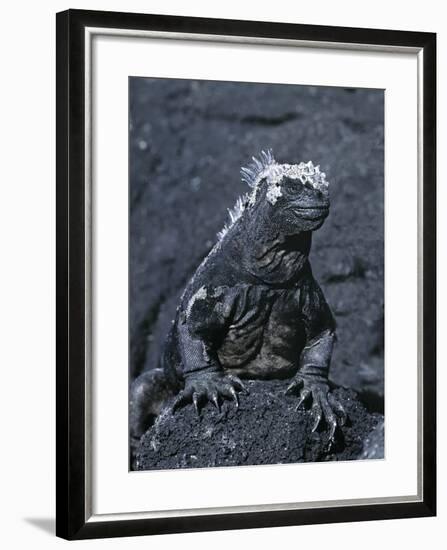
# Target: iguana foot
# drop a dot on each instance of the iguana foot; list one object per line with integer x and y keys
{"x": 324, "y": 405}
{"x": 209, "y": 386}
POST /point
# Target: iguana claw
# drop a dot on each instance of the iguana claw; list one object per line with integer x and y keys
{"x": 209, "y": 387}
{"x": 324, "y": 405}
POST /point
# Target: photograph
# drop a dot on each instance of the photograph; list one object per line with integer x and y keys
{"x": 256, "y": 273}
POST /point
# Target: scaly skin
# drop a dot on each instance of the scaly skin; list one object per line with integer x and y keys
{"x": 253, "y": 308}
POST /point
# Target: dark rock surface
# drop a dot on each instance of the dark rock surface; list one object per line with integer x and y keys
{"x": 265, "y": 430}
{"x": 374, "y": 444}
{"x": 188, "y": 140}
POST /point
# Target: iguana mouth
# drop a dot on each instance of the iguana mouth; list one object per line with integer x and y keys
{"x": 311, "y": 212}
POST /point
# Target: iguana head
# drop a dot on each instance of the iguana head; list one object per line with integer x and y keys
{"x": 293, "y": 198}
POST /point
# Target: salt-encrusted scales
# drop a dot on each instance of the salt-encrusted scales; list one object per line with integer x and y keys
{"x": 306, "y": 173}
{"x": 267, "y": 168}
{"x": 273, "y": 193}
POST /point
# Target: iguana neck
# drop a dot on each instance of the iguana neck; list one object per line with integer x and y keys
{"x": 270, "y": 257}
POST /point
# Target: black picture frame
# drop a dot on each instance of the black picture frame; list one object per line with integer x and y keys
{"x": 71, "y": 517}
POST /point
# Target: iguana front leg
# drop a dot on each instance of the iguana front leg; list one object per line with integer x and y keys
{"x": 202, "y": 326}
{"x": 311, "y": 382}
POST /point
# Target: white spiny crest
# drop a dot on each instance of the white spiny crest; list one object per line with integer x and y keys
{"x": 237, "y": 210}
{"x": 253, "y": 173}
{"x": 235, "y": 213}
{"x": 266, "y": 168}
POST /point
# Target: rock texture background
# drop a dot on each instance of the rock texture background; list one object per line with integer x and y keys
{"x": 187, "y": 142}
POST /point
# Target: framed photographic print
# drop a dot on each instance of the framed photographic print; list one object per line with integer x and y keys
{"x": 245, "y": 274}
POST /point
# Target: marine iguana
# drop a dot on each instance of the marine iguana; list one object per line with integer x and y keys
{"x": 253, "y": 308}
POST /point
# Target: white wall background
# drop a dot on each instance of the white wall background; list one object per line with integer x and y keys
{"x": 27, "y": 303}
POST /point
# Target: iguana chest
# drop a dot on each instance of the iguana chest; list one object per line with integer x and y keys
{"x": 265, "y": 337}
